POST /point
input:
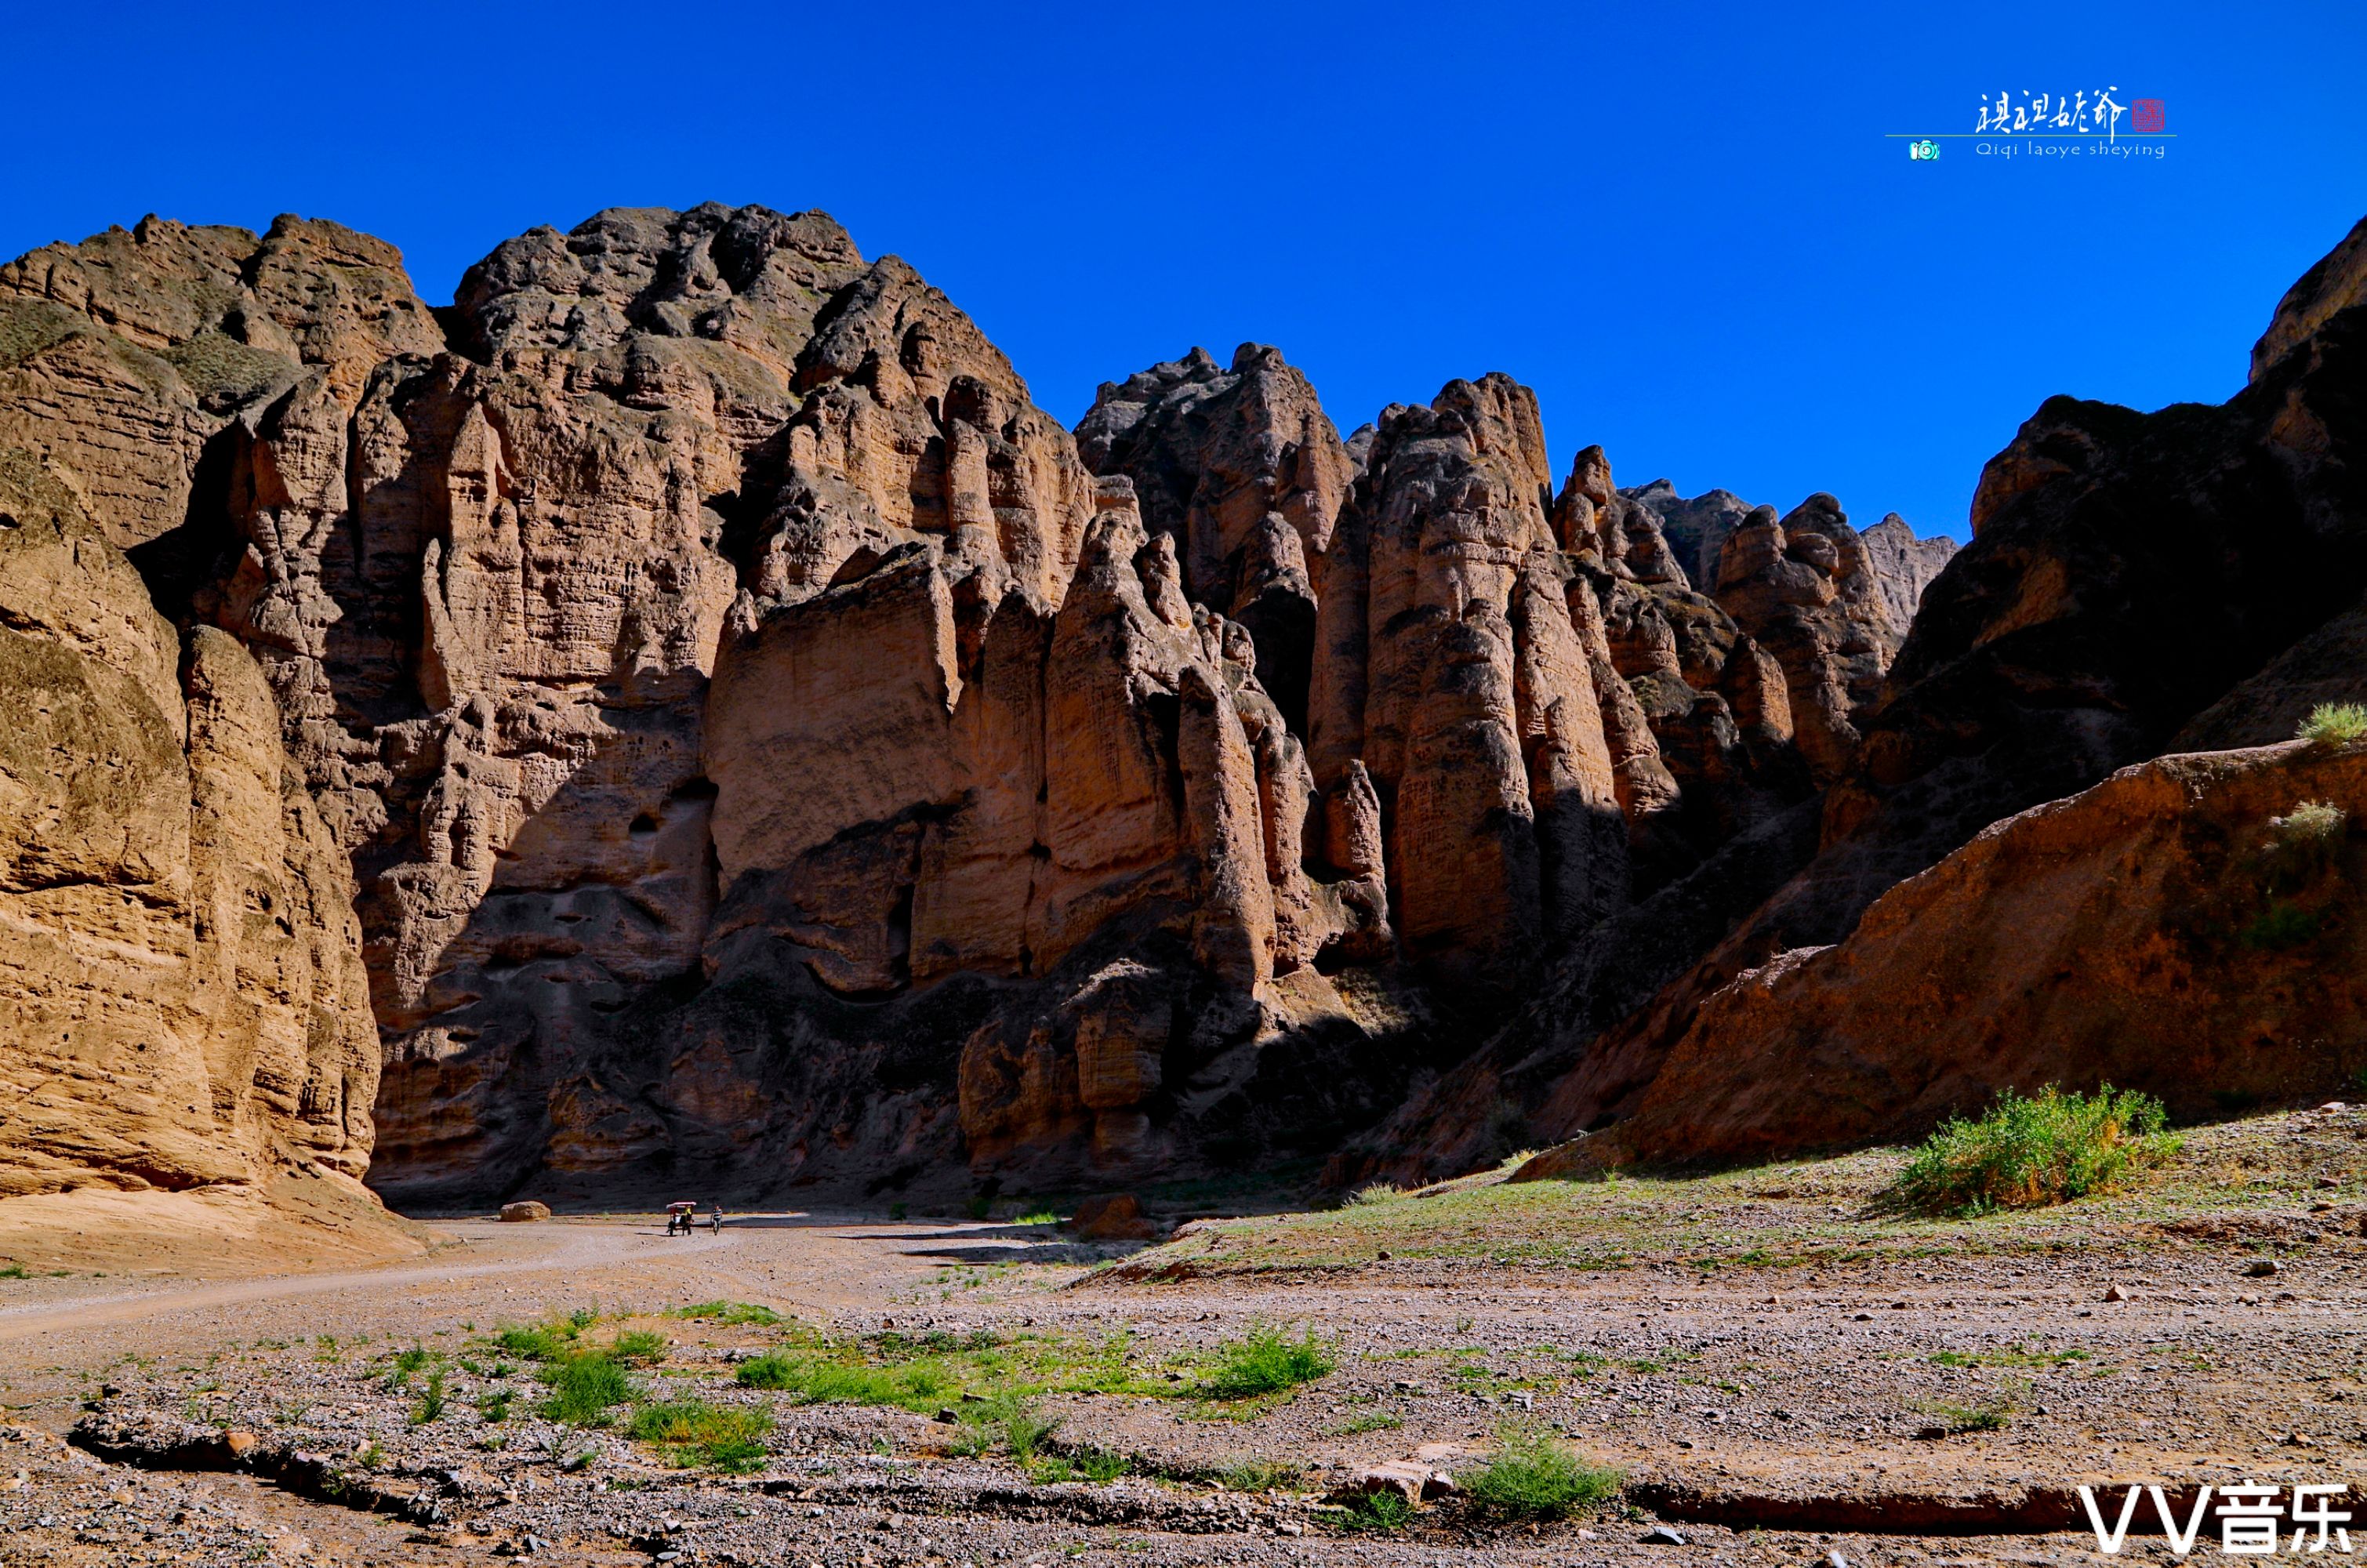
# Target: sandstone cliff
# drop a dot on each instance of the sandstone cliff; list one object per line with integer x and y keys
{"x": 2135, "y": 582}
{"x": 181, "y": 989}
{"x": 2188, "y": 927}
{"x": 768, "y": 750}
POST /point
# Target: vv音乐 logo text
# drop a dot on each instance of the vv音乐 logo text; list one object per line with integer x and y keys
{"x": 2252, "y": 1519}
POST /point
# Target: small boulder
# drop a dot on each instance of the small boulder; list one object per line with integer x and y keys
{"x": 240, "y": 1444}
{"x": 524, "y": 1212}
{"x": 2261, "y": 1269}
{"x": 1115, "y": 1218}
{"x": 2116, "y": 1294}
{"x": 1661, "y": 1535}
{"x": 1407, "y": 1478}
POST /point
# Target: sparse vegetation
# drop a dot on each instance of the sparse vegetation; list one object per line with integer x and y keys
{"x": 15, "y": 1271}
{"x": 404, "y": 1366}
{"x": 923, "y": 1372}
{"x": 1099, "y": 1466}
{"x": 584, "y": 1387}
{"x": 735, "y": 1315}
{"x": 1381, "y": 1513}
{"x": 1533, "y": 1474}
{"x": 1256, "y": 1473}
{"x": 691, "y": 1432}
{"x": 1379, "y": 1192}
{"x": 2026, "y": 1151}
{"x": 1040, "y": 1217}
{"x": 431, "y": 1401}
{"x": 2310, "y": 823}
{"x": 495, "y": 1407}
{"x": 1372, "y": 1421}
{"x": 639, "y": 1347}
{"x": 1265, "y": 1363}
{"x": 2333, "y": 724}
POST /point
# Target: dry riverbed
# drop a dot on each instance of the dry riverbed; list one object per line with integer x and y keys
{"x": 1776, "y": 1365}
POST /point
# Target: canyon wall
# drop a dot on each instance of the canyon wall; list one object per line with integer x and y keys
{"x": 738, "y": 739}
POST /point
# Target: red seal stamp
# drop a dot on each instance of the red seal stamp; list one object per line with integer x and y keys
{"x": 2145, "y": 113}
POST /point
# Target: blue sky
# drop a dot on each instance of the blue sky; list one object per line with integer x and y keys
{"x": 1682, "y": 225}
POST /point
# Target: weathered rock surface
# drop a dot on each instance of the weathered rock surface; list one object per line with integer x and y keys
{"x": 180, "y": 982}
{"x": 2176, "y": 930}
{"x": 1903, "y": 566}
{"x": 2336, "y": 283}
{"x": 768, "y": 748}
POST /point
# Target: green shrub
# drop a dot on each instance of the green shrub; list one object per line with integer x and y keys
{"x": 693, "y": 1432}
{"x": 1254, "y": 1474}
{"x": 1100, "y": 1466}
{"x": 2333, "y": 724}
{"x": 1023, "y": 1423}
{"x": 821, "y": 1380}
{"x": 737, "y": 1315}
{"x": 401, "y": 1369}
{"x": 584, "y": 1387}
{"x": 1040, "y": 1217}
{"x": 1379, "y": 1192}
{"x": 495, "y": 1407}
{"x": 1265, "y": 1363}
{"x": 2310, "y": 823}
{"x": 2046, "y": 1149}
{"x": 543, "y": 1342}
{"x": 639, "y": 1347}
{"x": 1533, "y": 1474}
{"x": 1385, "y": 1512}
{"x": 431, "y": 1401}
{"x": 16, "y": 1272}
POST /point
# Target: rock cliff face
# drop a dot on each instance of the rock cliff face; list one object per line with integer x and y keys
{"x": 765, "y": 749}
{"x": 2188, "y": 927}
{"x": 181, "y": 981}
{"x": 2137, "y": 583}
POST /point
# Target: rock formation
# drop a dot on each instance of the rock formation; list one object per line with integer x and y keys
{"x": 2187, "y": 928}
{"x": 2135, "y": 582}
{"x": 760, "y": 747}
{"x": 181, "y": 979}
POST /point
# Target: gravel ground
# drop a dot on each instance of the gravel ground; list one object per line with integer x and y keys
{"x": 1780, "y": 1370}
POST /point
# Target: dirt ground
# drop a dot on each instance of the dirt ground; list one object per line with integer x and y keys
{"x": 1779, "y": 1367}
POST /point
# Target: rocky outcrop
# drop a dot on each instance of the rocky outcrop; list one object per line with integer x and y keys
{"x": 2187, "y": 928}
{"x": 2136, "y": 581}
{"x": 2335, "y": 284}
{"x": 1242, "y": 468}
{"x": 1903, "y": 566}
{"x": 181, "y": 978}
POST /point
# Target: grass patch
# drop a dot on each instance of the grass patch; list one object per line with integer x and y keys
{"x": 693, "y": 1433}
{"x": 638, "y": 1347}
{"x": 1254, "y": 1474}
{"x": 1040, "y": 1217}
{"x": 1378, "y": 1421}
{"x": 430, "y": 1407}
{"x": 494, "y": 1408}
{"x": 2333, "y": 724}
{"x": 553, "y": 1341}
{"x": 2017, "y": 1357}
{"x": 924, "y": 1373}
{"x": 584, "y": 1387}
{"x": 2281, "y": 925}
{"x": 1378, "y": 1513}
{"x": 1533, "y": 1474}
{"x": 1264, "y": 1362}
{"x": 2025, "y": 1152}
{"x": 1098, "y": 1466}
{"x": 1379, "y": 1192}
{"x": 16, "y": 1272}
{"x": 404, "y": 1366}
{"x": 733, "y": 1314}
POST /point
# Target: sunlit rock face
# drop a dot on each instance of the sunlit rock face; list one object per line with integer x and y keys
{"x": 765, "y": 748}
